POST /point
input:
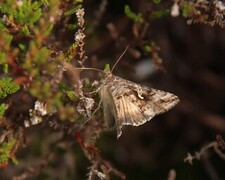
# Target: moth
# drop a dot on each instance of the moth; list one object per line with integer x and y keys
{"x": 127, "y": 103}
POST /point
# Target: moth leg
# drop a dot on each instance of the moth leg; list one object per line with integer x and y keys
{"x": 95, "y": 91}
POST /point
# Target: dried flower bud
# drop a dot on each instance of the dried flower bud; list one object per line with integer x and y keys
{"x": 80, "y": 17}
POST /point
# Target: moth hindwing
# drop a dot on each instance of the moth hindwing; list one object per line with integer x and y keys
{"x": 127, "y": 103}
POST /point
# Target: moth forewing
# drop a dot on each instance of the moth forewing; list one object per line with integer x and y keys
{"x": 156, "y": 101}
{"x": 108, "y": 104}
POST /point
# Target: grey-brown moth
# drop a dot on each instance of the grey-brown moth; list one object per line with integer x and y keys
{"x": 128, "y": 103}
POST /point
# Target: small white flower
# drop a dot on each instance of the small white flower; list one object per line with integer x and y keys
{"x": 40, "y": 107}
{"x": 175, "y": 10}
{"x": 52, "y": 19}
{"x": 19, "y": 3}
{"x": 27, "y": 123}
{"x": 35, "y": 120}
{"x": 80, "y": 13}
{"x": 79, "y": 36}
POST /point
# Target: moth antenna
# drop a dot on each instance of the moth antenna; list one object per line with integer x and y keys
{"x": 69, "y": 66}
{"x": 119, "y": 58}
{"x": 94, "y": 69}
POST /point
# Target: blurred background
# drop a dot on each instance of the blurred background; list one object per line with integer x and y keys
{"x": 165, "y": 53}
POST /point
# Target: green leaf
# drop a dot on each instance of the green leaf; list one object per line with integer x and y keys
{"x": 73, "y": 10}
{"x": 71, "y": 95}
{"x": 2, "y": 58}
{"x": 7, "y": 7}
{"x": 156, "y": 1}
{"x": 132, "y": 15}
{"x": 48, "y": 30}
{"x": 3, "y": 158}
{"x": 15, "y": 160}
{"x": 148, "y": 48}
{"x": 28, "y": 13}
{"x": 2, "y": 26}
{"x": 42, "y": 56}
{"x": 160, "y": 13}
{"x": 72, "y": 26}
{"x": 71, "y": 52}
{"x": 5, "y": 68}
{"x": 22, "y": 46}
{"x": 3, "y": 108}
{"x": 25, "y": 30}
{"x": 186, "y": 9}
{"x": 45, "y": 2}
{"x": 7, "y": 86}
{"x": 7, "y": 39}
{"x": 5, "y": 151}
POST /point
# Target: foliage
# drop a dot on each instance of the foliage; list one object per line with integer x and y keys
{"x": 132, "y": 15}
{"x": 73, "y": 10}
{"x": 71, "y": 95}
{"x": 22, "y": 14}
{"x": 186, "y": 9}
{"x": 160, "y": 13}
{"x": 7, "y": 86}
{"x": 3, "y": 108}
{"x": 6, "y": 149}
{"x": 156, "y": 1}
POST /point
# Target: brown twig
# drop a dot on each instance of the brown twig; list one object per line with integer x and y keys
{"x": 100, "y": 167}
{"x": 34, "y": 170}
{"x": 217, "y": 147}
{"x": 172, "y": 174}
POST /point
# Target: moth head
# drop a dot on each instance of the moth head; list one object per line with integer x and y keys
{"x": 107, "y": 72}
